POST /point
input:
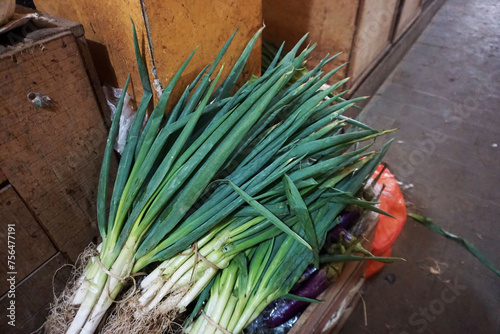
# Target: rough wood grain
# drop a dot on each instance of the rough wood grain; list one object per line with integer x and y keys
{"x": 409, "y": 12}
{"x": 176, "y": 28}
{"x": 374, "y": 30}
{"x": 52, "y": 155}
{"x": 94, "y": 78}
{"x": 331, "y": 25}
{"x": 32, "y": 246}
{"x": 34, "y": 295}
{"x": 109, "y": 34}
{"x": 398, "y": 50}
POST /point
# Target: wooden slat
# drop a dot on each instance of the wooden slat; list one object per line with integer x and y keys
{"x": 109, "y": 35}
{"x": 52, "y": 156}
{"x": 374, "y": 30}
{"x": 192, "y": 23}
{"x": 94, "y": 78}
{"x": 315, "y": 317}
{"x": 31, "y": 245}
{"x": 377, "y": 76}
{"x": 33, "y": 296}
{"x": 330, "y": 24}
{"x": 351, "y": 303}
{"x": 410, "y": 10}
{"x": 176, "y": 29}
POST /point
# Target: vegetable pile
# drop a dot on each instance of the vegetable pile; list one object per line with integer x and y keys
{"x": 230, "y": 197}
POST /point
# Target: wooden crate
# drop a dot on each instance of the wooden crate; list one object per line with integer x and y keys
{"x": 49, "y": 158}
{"x": 168, "y": 32}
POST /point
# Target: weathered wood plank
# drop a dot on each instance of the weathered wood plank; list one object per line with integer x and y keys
{"x": 52, "y": 156}
{"x": 33, "y": 296}
{"x": 29, "y": 242}
{"x": 377, "y": 76}
{"x": 331, "y": 25}
{"x": 410, "y": 10}
{"x": 176, "y": 28}
{"x": 192, "y": 23}
{"x": 374, "y": 30}
{"x": 109, "y": 34}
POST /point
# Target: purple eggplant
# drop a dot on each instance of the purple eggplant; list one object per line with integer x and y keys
{"x": 311, "y": 269}
{"x": 347, "y": 220}
{"x": 312, "y": 287}
{"x": 307, "y": 273}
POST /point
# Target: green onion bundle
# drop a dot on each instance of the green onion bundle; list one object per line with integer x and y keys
{"x": 163, "y": 171}
{"x": 250, "y": 226}
{"x": 306, "y": 149}
{"x": 215, "y": 176}
{"x": 242, "y": 290}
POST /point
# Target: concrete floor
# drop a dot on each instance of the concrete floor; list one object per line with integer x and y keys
{"x": 445, "y": 99}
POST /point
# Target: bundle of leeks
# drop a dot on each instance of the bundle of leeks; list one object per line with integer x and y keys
{"x": 251, "y": 139}
{"x": 163, "y": 171}
{"x": 270, "y": 269}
